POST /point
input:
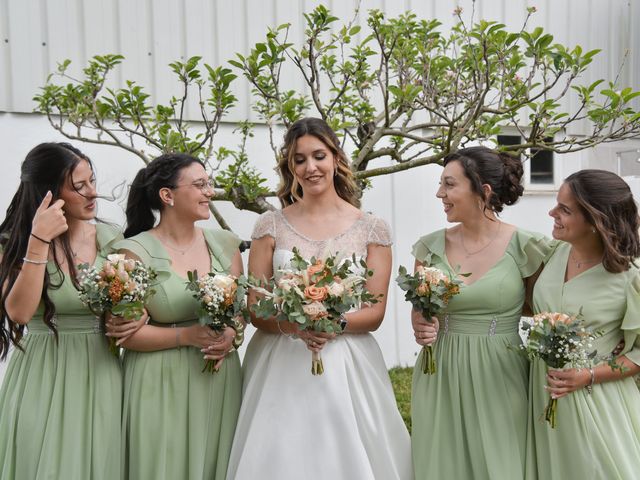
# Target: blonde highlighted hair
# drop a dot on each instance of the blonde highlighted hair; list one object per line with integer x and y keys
{"x": 290, "y": 190}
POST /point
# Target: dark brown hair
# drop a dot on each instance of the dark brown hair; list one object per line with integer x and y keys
{"x": 502, "y": 172}
{"x": 607, "y": 203}
{"x": 290, "y": 190}
{"x": 45, "y": 168}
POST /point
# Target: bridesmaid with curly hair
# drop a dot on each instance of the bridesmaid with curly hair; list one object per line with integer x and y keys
{"x": 469, "y": 418}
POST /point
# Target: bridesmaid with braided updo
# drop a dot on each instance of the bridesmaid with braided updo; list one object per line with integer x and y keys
{"x": 469, "y": 418}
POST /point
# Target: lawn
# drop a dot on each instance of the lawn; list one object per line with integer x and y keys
{"x": 401, "y": 381}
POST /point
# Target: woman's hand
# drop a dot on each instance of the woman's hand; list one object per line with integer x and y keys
{"x": 315, "y": 340}
{"x": 563, "y": 382}
{"x": 425, "y": 332}
{"x": 49, "y": 220}
{"x": 121, "y": 328}
{"x": 221, "y": 346}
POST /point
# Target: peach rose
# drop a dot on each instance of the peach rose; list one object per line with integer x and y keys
{"x": 423, "y": 290}
{"x": 315, "y": 311}
{"x": 315, "y": 268}
{"x": 431, "y": 275}
{"x": 315, "y": 293}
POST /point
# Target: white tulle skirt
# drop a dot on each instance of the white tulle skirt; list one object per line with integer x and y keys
{"x": 343, "y": 424}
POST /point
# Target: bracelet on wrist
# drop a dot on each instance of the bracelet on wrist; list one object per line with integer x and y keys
{"x": 589, "y": 387}
{"x": 35, "y": 262}
{"x": 48, "y": 242}
{"x": 342, "y": 322}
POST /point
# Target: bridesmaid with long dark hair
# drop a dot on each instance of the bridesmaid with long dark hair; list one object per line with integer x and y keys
{"x": 591, "y": 272}
{"x": 178, "y": 420}
{"x": 61, "y": 398}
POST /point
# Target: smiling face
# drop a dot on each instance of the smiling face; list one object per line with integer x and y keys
{"x": 314, "y": 165}
{"x": 79, "y": 193}
{"x": 458, "y": 198}
{"x": 569, "y": 223}
{"x": 192, "y": 193}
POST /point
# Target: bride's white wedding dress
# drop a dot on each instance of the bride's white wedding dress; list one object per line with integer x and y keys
{"x": 343, "y": 424}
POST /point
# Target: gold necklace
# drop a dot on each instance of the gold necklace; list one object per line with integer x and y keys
{"x": 176, "y": 249}
{"x": 471, "y": 254}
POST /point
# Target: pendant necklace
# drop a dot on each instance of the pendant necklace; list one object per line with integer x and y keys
{"x": 181, "y": 251}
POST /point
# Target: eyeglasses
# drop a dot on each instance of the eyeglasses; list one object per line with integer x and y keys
{"x": 202, "y": 185}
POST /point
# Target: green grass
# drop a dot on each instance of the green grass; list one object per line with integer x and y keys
{"x": 401, "y": 381}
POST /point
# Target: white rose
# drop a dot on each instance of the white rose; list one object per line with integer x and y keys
{"x": 115, "y": 258}
{"x": 224, "y": 282}
{"x": 314, "y": 310}
{"x": 335, "y": 289}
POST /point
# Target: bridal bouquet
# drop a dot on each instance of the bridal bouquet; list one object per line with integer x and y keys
{"x": 559, "y": 340}
{"x": 222, "y": 301}
{"x": 121, "y": 286}
{"x": 314, "y": 294}
{"x": 429, "y": 290}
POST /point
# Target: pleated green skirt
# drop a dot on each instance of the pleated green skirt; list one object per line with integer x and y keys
{"x": 469, "y": 418}
{"x": 60, "y": 405}
{"x": 178, "y": 422}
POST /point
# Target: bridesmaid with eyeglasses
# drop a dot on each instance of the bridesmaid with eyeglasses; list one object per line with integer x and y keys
{"x": 178, "y": 420}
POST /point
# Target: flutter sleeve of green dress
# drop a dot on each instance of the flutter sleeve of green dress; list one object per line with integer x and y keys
{"x": 631, "y": 320}
{"x": 530, "y": 250}
{"x": 428, "y": 247}
{"x": 223, "y": 245}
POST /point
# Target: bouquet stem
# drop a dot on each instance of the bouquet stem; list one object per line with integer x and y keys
{"x": 317, "y": 368}
{"x": 113, "y": 347}
{"x": 210, "y": 366}
{"x": 428, "y": 360}
{"x": 550, "y": 412}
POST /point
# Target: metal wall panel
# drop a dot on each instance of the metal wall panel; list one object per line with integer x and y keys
{"x": 37, "y": 34}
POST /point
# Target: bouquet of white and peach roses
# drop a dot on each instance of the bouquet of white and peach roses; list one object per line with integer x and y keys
{"x": 222, "y": 303}
{"x": 121, "y": 286}
{"x": 429, "y": 290}
{"x": 314, "y": 294}
{"x": 559, "y": 340}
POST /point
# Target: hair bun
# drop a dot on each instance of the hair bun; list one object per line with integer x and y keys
{"x": 512, "y": 188}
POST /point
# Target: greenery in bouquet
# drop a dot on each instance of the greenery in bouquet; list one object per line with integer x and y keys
{"x": 221, "y": 303}
{"x": 428, "y": 290}
{"x": 313, "y": 294}
{"x": 121, "y": 286}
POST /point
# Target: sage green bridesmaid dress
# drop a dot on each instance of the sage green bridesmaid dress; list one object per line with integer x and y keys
{"x": 178, "y": 422}
{"x": 597, "y": 435}
{"x": 469, "y": 419}
{"x": 60, "y": 402}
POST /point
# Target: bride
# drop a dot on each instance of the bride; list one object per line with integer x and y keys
{"x": 343, "y": 424}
